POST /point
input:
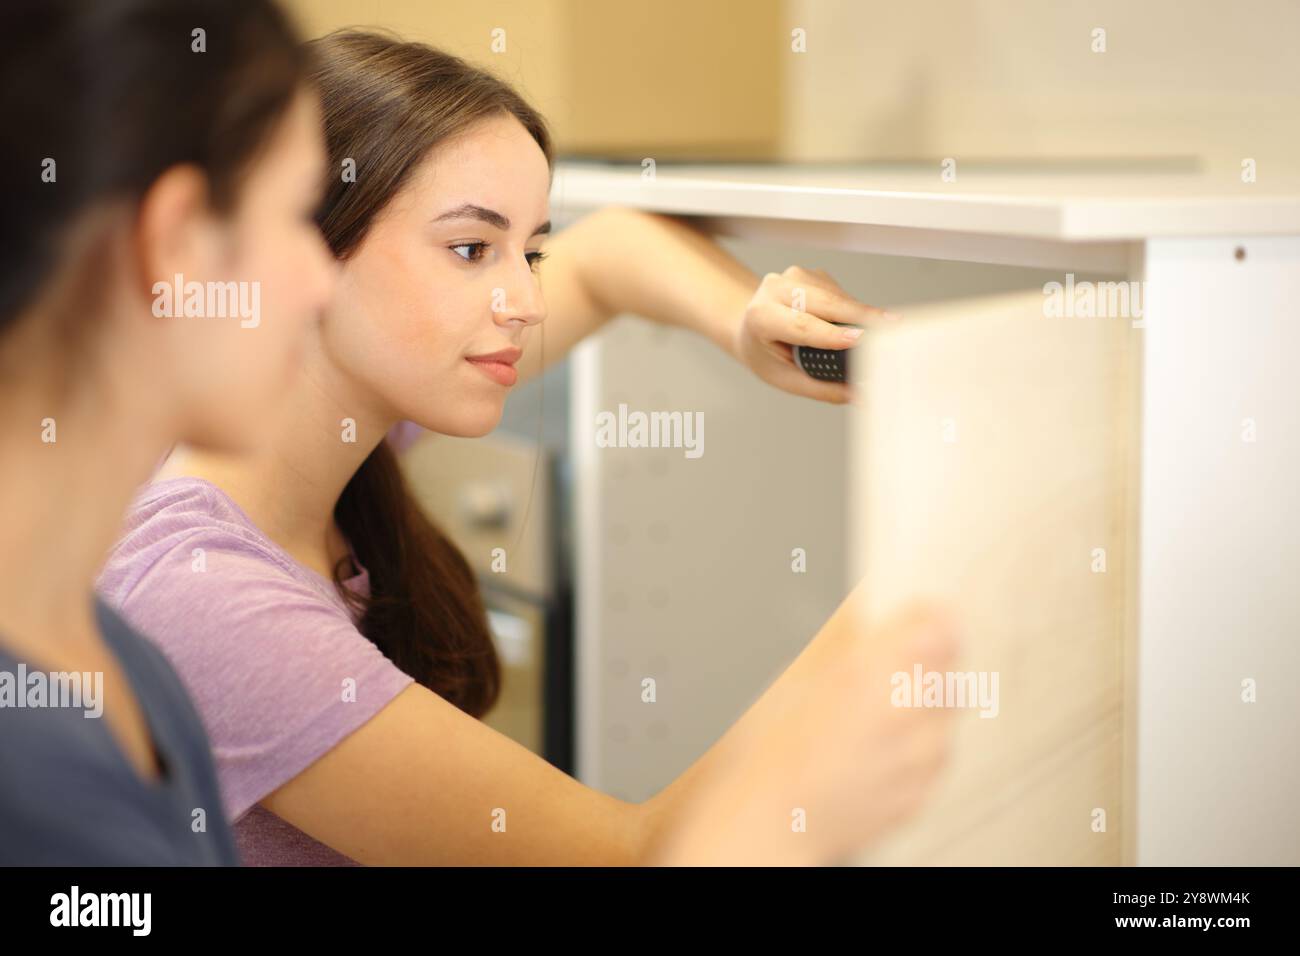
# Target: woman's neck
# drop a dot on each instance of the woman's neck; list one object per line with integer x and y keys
{"x": 290, "y": 486}
{"x": 72, "y": 464}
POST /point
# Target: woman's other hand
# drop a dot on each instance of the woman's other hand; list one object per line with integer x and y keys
{"x": 798, "y": 307}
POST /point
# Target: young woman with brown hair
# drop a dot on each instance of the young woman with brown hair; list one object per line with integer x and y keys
{"x": 130, "y": 158}
{"x": 335, "y": 639}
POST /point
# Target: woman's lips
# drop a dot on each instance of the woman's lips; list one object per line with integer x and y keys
{"x": 499, "y": 372}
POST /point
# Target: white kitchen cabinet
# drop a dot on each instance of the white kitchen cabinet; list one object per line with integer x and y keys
{"x": 1000, "y": 449}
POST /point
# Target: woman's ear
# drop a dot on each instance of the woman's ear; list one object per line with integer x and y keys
{"x": 176, "y": 231}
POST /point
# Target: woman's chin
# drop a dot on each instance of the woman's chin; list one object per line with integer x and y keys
{"x": 470, "y": 423}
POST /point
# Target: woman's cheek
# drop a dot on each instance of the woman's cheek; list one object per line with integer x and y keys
{"x": 429, "y": 329}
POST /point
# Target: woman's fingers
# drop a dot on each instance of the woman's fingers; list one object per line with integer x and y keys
{"x": 818, "y": 294}
{"x": 780, "y": 323}
{"x": 800, "y": 307}
{"x": 834, "y": 306}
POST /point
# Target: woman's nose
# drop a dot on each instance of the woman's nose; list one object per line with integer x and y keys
{"x": 521, "y": 303}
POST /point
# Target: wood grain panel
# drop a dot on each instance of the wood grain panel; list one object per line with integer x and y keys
{"x": 993, "y": 456}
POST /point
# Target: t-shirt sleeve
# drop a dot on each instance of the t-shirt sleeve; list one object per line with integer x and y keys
{"x": 277, "y": 669}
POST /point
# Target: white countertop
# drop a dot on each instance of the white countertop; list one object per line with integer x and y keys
{"x": 1029, "y": 204}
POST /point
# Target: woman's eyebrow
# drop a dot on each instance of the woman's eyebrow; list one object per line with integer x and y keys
{"x": 490, "y": 216}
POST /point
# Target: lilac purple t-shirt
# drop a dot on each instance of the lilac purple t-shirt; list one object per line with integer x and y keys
{"x": 267, "y": 648}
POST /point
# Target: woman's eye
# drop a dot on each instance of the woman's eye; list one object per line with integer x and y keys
{"x": 471, "y": 245}
{"x": 534, "y": 258}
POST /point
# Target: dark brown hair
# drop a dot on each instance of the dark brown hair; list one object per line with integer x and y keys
{"x": 115, "y": 93}
{"x": 387, "y": 104}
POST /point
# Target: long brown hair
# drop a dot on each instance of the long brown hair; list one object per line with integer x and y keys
{"x": 387, "y": 104}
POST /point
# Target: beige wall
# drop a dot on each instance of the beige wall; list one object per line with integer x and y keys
{"x": 971, "y": 79}
{"x": 669, "y": 79}
{"x": 1017, "y": 79}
